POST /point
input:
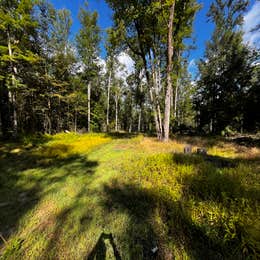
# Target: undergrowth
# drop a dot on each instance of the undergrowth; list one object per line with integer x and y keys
{"x": 72, "y": 196}
{"x": 206, "y": 210}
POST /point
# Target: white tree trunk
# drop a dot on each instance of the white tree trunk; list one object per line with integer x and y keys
{"x": 75, "y": 121}
{"x": 156, "y": 87}
{"x": 108, "y": 99}
{"x": 116, "y": 100}
{"x": 89, "y": 99}
{"x": 176, "y": 98}
{"x": 167, "y": 111}
{"x": 139, "y": 121}
{"x": 11, "y": 94}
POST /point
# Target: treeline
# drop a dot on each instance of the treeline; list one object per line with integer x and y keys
{"x": 228, "y": 90}
{"x": 44, "y": 74}
{"x": 51, "y": 82}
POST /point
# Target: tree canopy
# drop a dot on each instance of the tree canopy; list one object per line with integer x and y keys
{"x": 51, "y": 81}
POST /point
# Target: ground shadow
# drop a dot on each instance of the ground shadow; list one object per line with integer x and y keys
{"x": 120, "y": 135}
{"x": 246, "y": 141}
{"x": 99, "y": 250}
{"x": 201, "y": 140}
{"x": 211, "y": 185}
{"x": 20, "y": 192}
{"x": 213, "y": 160}
{"x": 141, "y": 236}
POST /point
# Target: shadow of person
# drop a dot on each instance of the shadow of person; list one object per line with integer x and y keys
{"x": 99, "y": 250}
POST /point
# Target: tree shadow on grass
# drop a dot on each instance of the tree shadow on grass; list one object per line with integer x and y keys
{"x": 199, "y": 140}
{"x": 142, "y": 234}
{"x": 26, "y": 176}
{"x": 246, "y": 141}
{"x": 195, "y": 159}
{"x": 212, "y": 181}
{"x": 119, "y": 135}
{"x": 213, "y": 185}
{"x": 139, "y": 237}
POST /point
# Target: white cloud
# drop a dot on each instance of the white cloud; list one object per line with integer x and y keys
{"x": 124, "y": 68}
{"x": 127, "y": 65}
{"x": 192, "y": 68}
{"x": 192, "y": 64}
{"x": 251, "y": 20}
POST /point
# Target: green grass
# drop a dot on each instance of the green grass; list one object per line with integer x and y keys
{"x": 100, "y": 196}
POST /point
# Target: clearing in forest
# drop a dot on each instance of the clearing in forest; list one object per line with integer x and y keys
{"x": 98, "y": 196}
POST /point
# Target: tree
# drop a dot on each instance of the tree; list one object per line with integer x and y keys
{"x": 88, "y": 40}
{"x": 110, "y": 68}
{"x": 226, "y": 71}
{"x": 185, "y": 90}
{"x": 142, "y": 25}
{"x": 169, "y": 71}
{"x": 17, "y": 28}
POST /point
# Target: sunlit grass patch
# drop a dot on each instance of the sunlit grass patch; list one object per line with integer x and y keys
{"x": 152, "y": 145}
{"x": 65, "y": 145}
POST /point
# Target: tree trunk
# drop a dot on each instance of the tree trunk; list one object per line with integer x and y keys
{"x": 12, "y": 97}
{"x": 116, "y": 125}
{"x": 140, "y": 113}
{"x": 108, "y": 99}
{"x": 167, "y": 110}
{"x": 59, "y": 121}
{"x": 5, "y": 110}
{"x": 139, "y": 121}
{"x": 49, "y": 117}
{"x": 176, "y": 98}
{"x": 89, "y": 98}
{"x": 156, "y": 102}
{"x": 149, "y": 83}
{"x": 75, "y": 120}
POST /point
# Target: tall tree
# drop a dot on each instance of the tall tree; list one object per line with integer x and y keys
{"x": 143, "y": 24}
{"x": 226, "y": 71}
{"x": 88, "y": 40}
{"x": 167, "y": 110}
{"x": 17, "y": 28}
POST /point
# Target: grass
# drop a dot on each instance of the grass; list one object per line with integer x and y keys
{"x": 98, "y": 196}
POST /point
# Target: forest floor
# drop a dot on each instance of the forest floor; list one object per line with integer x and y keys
{"x": 98, "y": 196}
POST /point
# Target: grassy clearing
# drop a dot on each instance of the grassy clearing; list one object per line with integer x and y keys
{"x": 92, "y": 196}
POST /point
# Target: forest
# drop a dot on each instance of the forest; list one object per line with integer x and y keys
{"x": 144, "y": 159}
{"x": 51, "y": 83}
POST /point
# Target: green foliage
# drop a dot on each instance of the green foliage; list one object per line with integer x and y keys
{"x": 88, "y": 40}
{"x": 228, "y": 131}
{"x": 143, "y": 26}
{"x": 226, "y": 73}
{"x": 185, "y": 112}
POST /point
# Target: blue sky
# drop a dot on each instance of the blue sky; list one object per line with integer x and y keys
{"x": 202, "y": 28}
